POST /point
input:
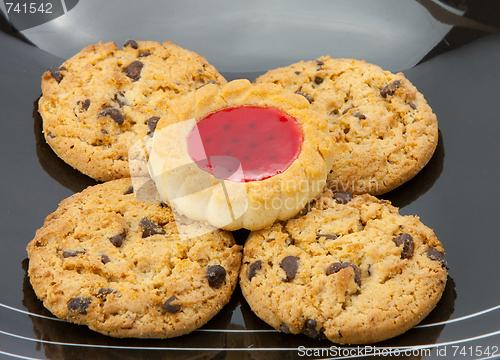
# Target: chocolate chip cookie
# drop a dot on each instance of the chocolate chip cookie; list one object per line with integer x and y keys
{"x": 351, "y": 270}
{"x": 104, "y": 99}
{"x": 389, "y": 132}
{"x": 121, "y": 266}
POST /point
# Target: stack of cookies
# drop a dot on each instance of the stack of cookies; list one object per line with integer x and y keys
{"x": 185, "y": 158}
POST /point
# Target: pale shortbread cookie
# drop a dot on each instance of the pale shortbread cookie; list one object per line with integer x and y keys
{"x": 233, "y": 205}
{"x": 389, "y": 130}
{"x": 352, "y": 270}
{"x": 104, "y": 99}
{"x": 120, "y": 266}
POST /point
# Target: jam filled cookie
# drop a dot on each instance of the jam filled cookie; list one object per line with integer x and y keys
{"x": 389, "y": 132}
{"x": 119, "y": 265}
{"x": 352, "y": 270}
{"x": 241, "y": 155}
{"x": 104, "y": 99}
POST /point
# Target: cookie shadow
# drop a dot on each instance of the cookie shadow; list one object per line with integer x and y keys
{"x": 52, "y": 164}
{"x": 420, "y": 183}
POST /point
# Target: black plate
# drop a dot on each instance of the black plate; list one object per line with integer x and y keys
{"x": 449, "y": 49}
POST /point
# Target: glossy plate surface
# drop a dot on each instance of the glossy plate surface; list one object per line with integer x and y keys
{"x": 450, "y": 50}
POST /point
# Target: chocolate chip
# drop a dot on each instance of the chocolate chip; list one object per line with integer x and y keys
{"x": 310, "y": 323}
{"x": 79, "y": 304}
{"x": 337, "y": 266}
{"x": 103, "y": 292}
{"x": 151, "y": 123}
{"x": 290, "y": 264}
{"x": 343, "y": 197}
{"x": 56, "y": 73}
{"x": 284, "y": 329}
{"x": 359, "y": 115}
{"x": 131, "y": 43}
{"x": 306, "y": 96}
{"x": 169, "y": 307}
{"x": 130, "y": 190}
{"x": 390, "y": 89}
{"x": 120, "y": 98}
{"x": 133, "y": 70}
{"x": 150, "y": 228}
{"x": 67, "y": 254}
{"x": 83, "y": 105}
{"x": 318, "y": 80}
{"x": 436, "y": 255}
{"x": 104, "y": 131}
{"x": 144, "y": 53}
{"x": 113, "y": 113}
{"x": 105, "y": 259}
{"x": 297, "y": 73}
{"x": 216, "y": 276}
{"x": 319, "y": 62}
{"x": 310, "y": 330}
{"x": 327, "y": 236}
{"x": 117, "y": 240}
{"x": 346, "y": 110}
{"x": 413, "y": 106}
{"x": 210, "y": 82}
{"x": 407, "y": 241}
{"x": 256, "y": 266}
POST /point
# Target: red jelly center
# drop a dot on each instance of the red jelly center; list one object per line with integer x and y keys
{"x": 247, "y": 143}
